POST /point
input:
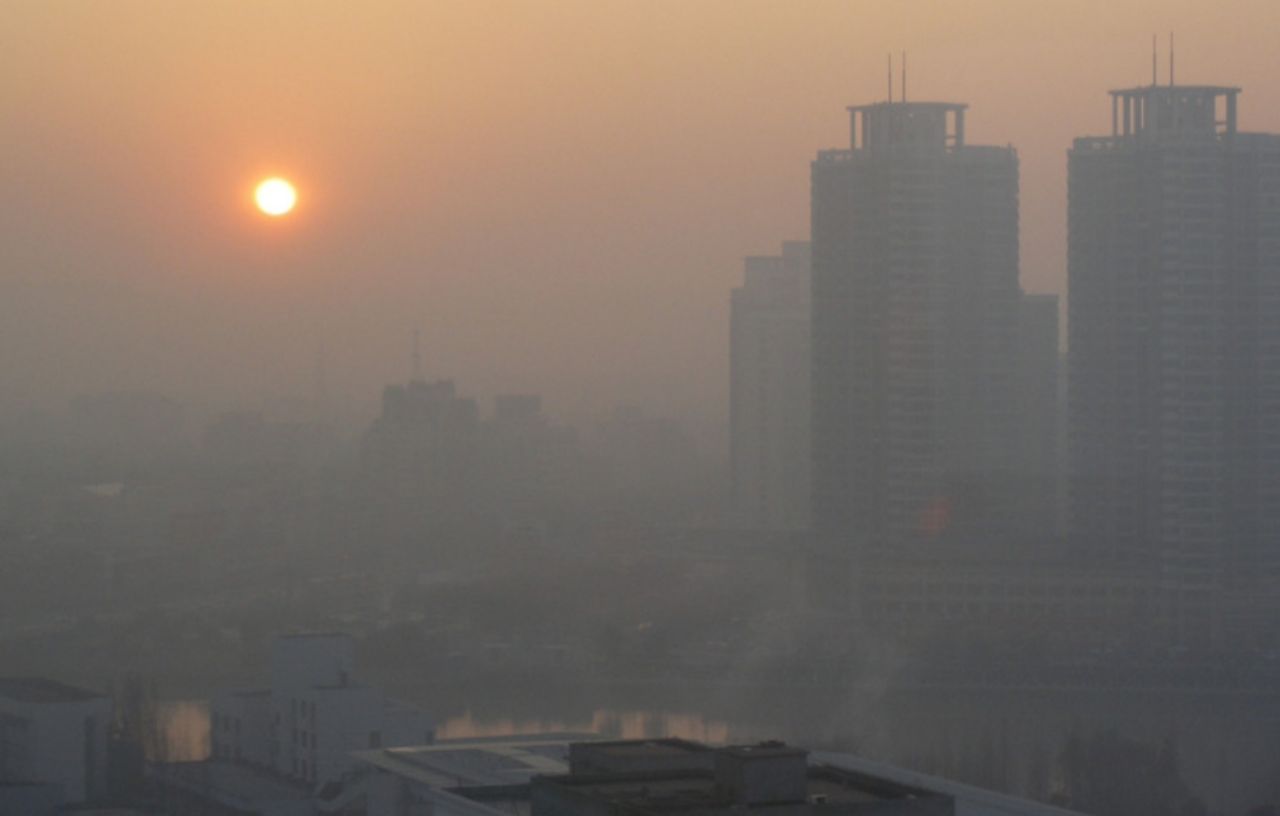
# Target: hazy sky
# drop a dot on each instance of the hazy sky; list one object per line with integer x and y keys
{"x": 558, "y": 193}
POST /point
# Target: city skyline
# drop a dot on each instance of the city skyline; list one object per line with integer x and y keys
{"x": 578, "y": 364}
{"x": 431, "y": 216}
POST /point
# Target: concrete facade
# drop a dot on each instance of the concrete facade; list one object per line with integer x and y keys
{"x": 769, "y": 408}
{"x": 55, "y": 734}
{"x": 1174, "y": 273}
{"x": 305, "y": 726}
{"x": 915, "y": 321}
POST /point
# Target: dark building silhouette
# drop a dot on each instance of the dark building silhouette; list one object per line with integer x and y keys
{"x": 769, "y": 408}
{"x": 1174, "y": 273}
{"x": 915, "y": 321}
{"x": 425, "y": 429}
{"x": 436, "y": 461}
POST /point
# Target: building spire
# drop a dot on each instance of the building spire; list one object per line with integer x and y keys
{"x": 1154, "y": 80}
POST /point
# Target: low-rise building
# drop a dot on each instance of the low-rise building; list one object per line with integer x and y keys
{"x": 52, "y": 737}
{"x": 314, "y": 714}
{"x": 550, "y": 776}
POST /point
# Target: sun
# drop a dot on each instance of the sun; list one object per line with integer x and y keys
{"x": 275, "y": 196}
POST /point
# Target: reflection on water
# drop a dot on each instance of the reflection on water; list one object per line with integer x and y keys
{"x": 605, "y": 722}
{"x": 183, "y": 732}
{"x": 1010, "y": 740}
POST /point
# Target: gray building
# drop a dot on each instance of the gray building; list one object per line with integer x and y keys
{"x": 769, "y": 391}
{"x": 1040, "y": 420}
{"x": 547, "y": 775}
{"x": 1174, "y": 273}
{"x": 915, "y": 322}
{"x": 53, "y": 744}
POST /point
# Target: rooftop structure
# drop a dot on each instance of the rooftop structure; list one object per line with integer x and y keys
{"x": 42, "y": 690}
{"x": 767, "y": 778}
{"x": 1157, "y": 111}
{"x": 547, "y": 776}
{"x": 906, "y": 125}
{"x": 625, "y": 756}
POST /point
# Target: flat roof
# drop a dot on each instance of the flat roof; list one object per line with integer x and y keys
{"x": 670, "y": 746}
{"x": 844, "y": 779}
{"x": 451, "y": 765}
{"x": 697, "y": 791}
{"x": 970, "y": 800}
{"x": 44, "y": 690}
{"x": 1142, "y": 89}
{"x": 884, "y": 105}
{"x": 231, "y": 782}
{"x": 763, "y": 749}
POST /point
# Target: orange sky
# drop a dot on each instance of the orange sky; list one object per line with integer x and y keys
{"x": 558, "y": 192}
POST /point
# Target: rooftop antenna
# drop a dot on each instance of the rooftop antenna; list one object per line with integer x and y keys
{"x": 1170, "y": 59}
{"x": 890, "y": 76}
{"x": 1154, "y": 81}
{"x": 417, "y": 355}
{"x": 904, "y": 76}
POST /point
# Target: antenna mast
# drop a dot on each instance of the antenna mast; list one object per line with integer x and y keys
{"x": 1170, "y": 59}
{"x": 1154, "y": 80}
{"x": 904, "y": 76}
{"x": 890, "y": 76}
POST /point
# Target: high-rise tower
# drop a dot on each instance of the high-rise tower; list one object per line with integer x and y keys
{"x": 769, "y": 391}
{"x": 1174, "y": 274}
{"x": 915, "y": 320}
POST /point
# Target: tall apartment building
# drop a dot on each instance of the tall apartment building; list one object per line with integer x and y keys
{"x": 1174, "y": 273}
{"x": 915, "y": 323}
{"x": 769, "y": 391}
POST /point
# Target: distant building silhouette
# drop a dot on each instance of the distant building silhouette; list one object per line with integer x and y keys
{"x": 915, "y": 321}
{"x": 439, "y": 461}
{"x": 769, "y": 407}
{"x": 1174, "y": 273}
{"x": 425, "y": 431}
